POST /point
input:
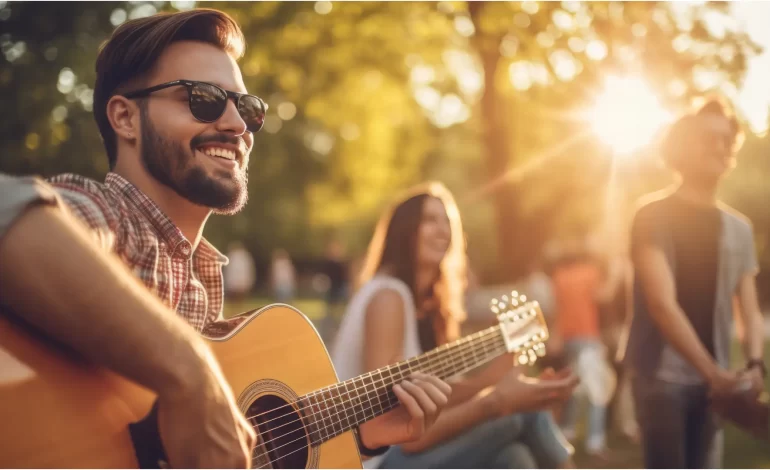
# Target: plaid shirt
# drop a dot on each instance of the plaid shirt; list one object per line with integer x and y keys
{"x": 127, "y": 222}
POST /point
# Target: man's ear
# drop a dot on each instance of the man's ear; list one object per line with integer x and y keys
{"x": 123, "y": 115}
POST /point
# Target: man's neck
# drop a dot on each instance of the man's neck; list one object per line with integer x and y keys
{"x": 188, "y": 217}
{"x": 704, "y": 194}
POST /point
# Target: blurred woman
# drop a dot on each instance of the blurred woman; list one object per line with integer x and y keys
{"x": 410, "y": 301}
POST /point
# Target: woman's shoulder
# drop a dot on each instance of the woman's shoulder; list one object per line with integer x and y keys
{"x": 385, "y": 288}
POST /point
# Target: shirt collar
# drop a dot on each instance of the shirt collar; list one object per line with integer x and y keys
{"x": 159, "y": 220}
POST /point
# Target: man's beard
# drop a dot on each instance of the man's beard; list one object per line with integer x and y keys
{"x": 172, "y": 165}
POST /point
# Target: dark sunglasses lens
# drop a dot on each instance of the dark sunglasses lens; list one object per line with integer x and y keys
{"x": 207, "y": 102}
{"x": 252, "y": 111}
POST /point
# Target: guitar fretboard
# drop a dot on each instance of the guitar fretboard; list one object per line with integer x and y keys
{"x": 334, "y": 410}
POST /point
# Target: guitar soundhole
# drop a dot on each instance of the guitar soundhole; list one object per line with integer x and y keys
{"x": 283, "y": 441}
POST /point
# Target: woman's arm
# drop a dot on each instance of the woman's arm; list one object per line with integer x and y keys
{"x": 384, "y": 339}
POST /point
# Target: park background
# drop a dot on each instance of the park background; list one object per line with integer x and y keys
{"x": 541, "y": 117}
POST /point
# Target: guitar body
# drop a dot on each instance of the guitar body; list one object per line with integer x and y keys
{"x": 58, "y": 411}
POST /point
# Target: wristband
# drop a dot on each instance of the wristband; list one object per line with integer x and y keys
{"x": 752, "y": 363}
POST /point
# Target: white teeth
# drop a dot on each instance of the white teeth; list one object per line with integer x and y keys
{"x": 219, "y": 152}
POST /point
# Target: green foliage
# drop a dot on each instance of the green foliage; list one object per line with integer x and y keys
{"x": 368, "y": 98}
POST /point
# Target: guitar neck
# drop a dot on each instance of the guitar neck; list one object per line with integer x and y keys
{"x": 334, "y": 410}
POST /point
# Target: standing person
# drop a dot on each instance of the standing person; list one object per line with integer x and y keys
{"x": 692, "y": 254}
{"x": 336, "y": 269}
{"x": 178, "y": 127}
{"x": 578, "y": 283}
{"x": 618, "y": 313}
{"x": 240, "y": 273}
{"x": 411, "y": 301}
{"x": 283, "y": 277}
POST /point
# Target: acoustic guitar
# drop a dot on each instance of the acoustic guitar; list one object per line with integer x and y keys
{"x": 57, "y": 410}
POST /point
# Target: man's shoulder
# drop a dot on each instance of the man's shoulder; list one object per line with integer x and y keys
{"x": 91, "y": 201}
{"x": 653, "y": 203}
{"x": 735, "y": 217}
{"x": 77, "y": 188}
{"x": 79, "y": 184}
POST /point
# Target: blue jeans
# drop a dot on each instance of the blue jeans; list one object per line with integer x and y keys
{"x": 678, "y": 428}
{"x": 525, "y": 440}
{"x": 597, "y": 415}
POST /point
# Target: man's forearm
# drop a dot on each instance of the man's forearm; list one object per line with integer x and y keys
{"x": 755, "y": 335}
{"x": 678, "y": 331}
{"x": 53, "y": 276}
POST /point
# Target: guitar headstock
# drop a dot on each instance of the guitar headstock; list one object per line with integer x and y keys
{"x": 522, "y": 325}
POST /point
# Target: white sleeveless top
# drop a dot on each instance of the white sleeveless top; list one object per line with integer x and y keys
{"x": 347, "y": 350}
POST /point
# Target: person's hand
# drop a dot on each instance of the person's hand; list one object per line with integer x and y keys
{"x": 724, "y": 382}
{"x": 747, "y": 411}
{"x": 754, "y": 375}
{"x": 517, "y": 393}
{"x": 201, "y": 426}
{"x": 422, "y": 398}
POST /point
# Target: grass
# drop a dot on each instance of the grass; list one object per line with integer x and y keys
{"x": 741, "y": 450}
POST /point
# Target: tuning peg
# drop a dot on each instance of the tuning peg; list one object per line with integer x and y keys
{"x": 540, "y": 350}
{"x": 523, "y": 359}
{"x": 532, "y": 356}
{"x": 523, "y": 298}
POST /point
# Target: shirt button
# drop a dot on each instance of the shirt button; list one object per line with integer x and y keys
{"x": 186, "y": 250}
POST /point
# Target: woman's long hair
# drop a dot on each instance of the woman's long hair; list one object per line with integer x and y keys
{"x": 394, "y": 245}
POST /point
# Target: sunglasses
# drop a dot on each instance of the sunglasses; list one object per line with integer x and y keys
{"x": 208, "y": 102}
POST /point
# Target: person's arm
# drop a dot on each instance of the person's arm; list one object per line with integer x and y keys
{"x": 54, "y": 277}
{"x": 660, "y": 295}
{"x": 384, "y": 336}
{"x": 469, "y": 385}
{"x": 422, "y": 397}
{"x": 752, "y": 318}
{"x": 751, "y": 315}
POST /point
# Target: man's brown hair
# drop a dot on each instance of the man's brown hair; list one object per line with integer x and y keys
{"x": 135, "y": 46}
{"x": 674, "y": 141}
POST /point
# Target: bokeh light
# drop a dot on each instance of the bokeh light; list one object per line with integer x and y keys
{"x": 627, "y": 114}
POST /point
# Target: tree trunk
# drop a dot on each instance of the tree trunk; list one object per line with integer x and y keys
{"x": 498, "y": 135}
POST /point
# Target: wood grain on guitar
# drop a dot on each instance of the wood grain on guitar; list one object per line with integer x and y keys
{"x": 71, "y": 414}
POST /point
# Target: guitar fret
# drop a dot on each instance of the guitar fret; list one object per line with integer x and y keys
{"x": 343, "y": 406}
{"x": 375, "y": 392}
{"x": 367, "y": 408}
{"x": 327, "y": 416}
{"x": 348, "y": 423}
{"x": 336, "y": 410}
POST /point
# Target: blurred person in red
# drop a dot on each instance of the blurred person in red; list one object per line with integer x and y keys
{"x": 578, "y": 286}
{"x": 692, "y": 256}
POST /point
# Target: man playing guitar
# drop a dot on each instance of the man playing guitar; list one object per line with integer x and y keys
{"x": 178, "y": 127}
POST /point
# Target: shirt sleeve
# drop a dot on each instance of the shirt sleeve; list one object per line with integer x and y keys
{"x": 93, "y": 210}
{"x": 750, "y": 262}
{"x": 19, "y": 193}
{"x": 647, "y": 229}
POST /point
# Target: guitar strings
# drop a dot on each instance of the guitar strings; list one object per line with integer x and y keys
{"x": 496, "y": 350}
{"x": 389, "y": 406}
{"x": 468, "y": 342}
{"x": 334, "y": 413}
{"x": 345, "y": 410}
{"x": 460, "y": 351}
